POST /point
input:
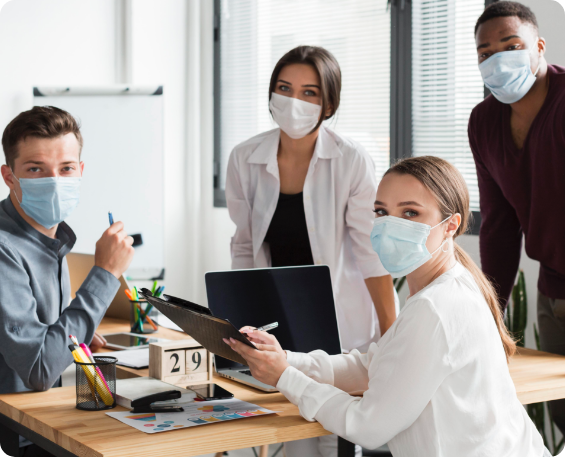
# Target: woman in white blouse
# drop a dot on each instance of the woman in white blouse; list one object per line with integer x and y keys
{"x": 437, "y": 383}
{"x": 301, "y": 195}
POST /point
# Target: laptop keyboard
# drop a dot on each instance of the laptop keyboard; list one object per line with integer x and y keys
{"x": 247, "y": 372}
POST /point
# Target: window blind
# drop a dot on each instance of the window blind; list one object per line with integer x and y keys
{"x": 446, "y": 83}
{"x": 254, "y": 35}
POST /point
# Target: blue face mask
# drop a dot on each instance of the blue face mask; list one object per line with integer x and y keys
{"x": 401, "y": 244}
{"x": 49, "y": 201}
{"x": 508, "y": 75}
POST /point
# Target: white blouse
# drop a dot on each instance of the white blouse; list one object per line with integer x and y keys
{"x": 339, "y": 193}
{"x": 437, "y": 383}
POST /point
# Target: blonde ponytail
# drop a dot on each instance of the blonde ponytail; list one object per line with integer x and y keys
{"x": 447, "y": 185}
{"x": 490, "y": 297}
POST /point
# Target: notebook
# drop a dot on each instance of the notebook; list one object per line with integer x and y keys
{"x": 133, "y": 358}
{"x": 130, "y": 389}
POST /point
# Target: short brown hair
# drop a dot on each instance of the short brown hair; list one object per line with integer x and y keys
{"x": 507, "y": 9}
{"x": 38, "y": 122}
{"x": 327, "y": 67}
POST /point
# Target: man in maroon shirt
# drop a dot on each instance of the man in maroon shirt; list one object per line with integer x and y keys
{"x": 517, "y": 135}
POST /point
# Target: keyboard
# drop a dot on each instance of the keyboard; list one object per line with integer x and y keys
{"x": 247, "y": 372}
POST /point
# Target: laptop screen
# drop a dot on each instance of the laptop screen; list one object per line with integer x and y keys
{"x": 300, "y": 299}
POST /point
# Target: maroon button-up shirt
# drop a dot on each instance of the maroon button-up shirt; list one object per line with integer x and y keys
{"x": 522, "y": 191}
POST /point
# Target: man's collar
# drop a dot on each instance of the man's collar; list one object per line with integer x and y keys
{"x": 62, "y": 245}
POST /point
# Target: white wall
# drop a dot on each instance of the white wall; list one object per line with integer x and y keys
{"x": 55, "y": 42}
{"x": 551, "y": 21}
{"x": 158, "y": 55}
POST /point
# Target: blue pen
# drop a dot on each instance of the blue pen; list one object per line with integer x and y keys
{"x": 111, "y": 218}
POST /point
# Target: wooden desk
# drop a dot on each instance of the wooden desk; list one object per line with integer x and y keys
{"x": 51, "y": 420}
{"x": 538, "y": 376}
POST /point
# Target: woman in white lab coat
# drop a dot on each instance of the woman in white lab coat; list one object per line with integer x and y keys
{"x": 437, "y": 383}
{"x": 301, "y": 195}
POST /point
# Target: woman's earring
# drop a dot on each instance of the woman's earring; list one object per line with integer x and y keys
{"x": 445, "y": 243}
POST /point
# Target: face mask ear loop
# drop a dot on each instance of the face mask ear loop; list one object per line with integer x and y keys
{"x": 437, "y": 225}
{"x": 539, "y": 65}
{"x": 440, "y": 247}
{"x": 15, "y": 194}
{"x": 445, "y": 239}
{"x": 445, "y": 243}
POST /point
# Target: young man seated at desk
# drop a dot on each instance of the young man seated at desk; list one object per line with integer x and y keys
{"x": 43, "y": 171}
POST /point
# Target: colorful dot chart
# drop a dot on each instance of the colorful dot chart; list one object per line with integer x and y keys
{"x": 210, "y": 408}
{"x": 195, "y": 414}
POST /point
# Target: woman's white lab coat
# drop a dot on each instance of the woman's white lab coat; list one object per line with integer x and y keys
{"x": 339, "y": 193}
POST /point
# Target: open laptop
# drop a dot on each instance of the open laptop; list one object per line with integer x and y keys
{"x": 300, "y": 299}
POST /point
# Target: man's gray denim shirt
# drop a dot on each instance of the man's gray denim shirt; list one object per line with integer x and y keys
{"x": 35, "y": 321}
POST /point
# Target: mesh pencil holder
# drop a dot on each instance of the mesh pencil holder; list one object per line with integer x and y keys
{"x": 96, "y": 384}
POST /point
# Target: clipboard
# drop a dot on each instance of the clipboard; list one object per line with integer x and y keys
{"x": 199, "y": 323}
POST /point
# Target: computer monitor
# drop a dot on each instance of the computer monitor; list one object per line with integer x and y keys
{"x": 300, "y": 299}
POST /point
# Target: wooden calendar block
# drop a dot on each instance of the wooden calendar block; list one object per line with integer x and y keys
{"x": 196, "y": 361}
{"x": 180, "y": 362}
{"x": 174, "y": 362}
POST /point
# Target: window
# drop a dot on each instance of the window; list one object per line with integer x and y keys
{"x": 436, "y": 79}
{"x": 253, "y": 35}
{"x": 446, "y": 82}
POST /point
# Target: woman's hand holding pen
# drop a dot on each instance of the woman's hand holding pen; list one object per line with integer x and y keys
{"x": 268, "y": 363}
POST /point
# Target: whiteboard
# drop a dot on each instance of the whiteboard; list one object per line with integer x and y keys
{"x": 122, "y": 129}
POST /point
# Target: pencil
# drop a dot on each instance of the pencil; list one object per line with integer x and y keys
{"x": 90, "y": 386}
{"x": 86, "y": 356}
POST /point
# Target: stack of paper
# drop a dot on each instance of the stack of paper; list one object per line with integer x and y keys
{"x": 132, "y": 358}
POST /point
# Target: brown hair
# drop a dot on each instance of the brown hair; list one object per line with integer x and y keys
{"x": 447, "y": 185}
{"x": 328, "y": 69}
{"x": 38, "y": 122}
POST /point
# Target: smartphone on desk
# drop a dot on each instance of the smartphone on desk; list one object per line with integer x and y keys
{"x": 208, "y": 392}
